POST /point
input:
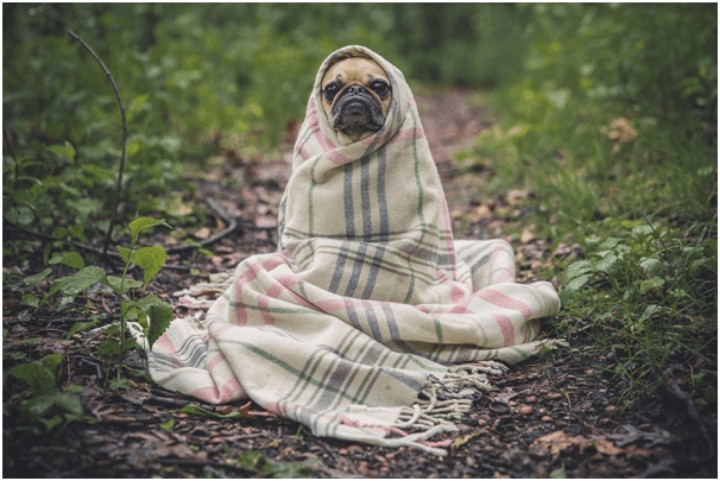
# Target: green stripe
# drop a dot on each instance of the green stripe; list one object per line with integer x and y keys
{"x": 278, "y": 310}
{"x": 438, "y": 330}
{"x": 313, "y": 183}
{"x": 417, "y": 172}
{"x": 521, "y": 352}
{"x": 287, "y": 367}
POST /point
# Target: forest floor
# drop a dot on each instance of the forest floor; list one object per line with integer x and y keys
{"x": 555, "y": 416}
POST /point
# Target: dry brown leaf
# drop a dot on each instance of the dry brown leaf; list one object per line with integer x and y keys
{"x": 604, "y": 446}
{"x": 462, "y": 440}
{"x": 556, "y": 442}
{"x": 527, "y": 236}
{"x": 202, "y": 233}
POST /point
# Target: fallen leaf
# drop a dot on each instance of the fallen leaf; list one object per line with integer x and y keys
{"x": 527, "y": 237}
{"x": 503, "y": 397}
{"x": 556, "y": 442}
{"x": 633, "y": 434}
{"x": 202, "y": 233}
{"x": 461, "y": 441}
{"x": 514, "y": 195}
{"x": 604, "y": 446}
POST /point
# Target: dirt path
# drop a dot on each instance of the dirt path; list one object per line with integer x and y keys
{"x": 553, "y": 416}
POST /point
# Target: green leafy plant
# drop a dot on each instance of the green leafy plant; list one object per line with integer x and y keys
{"x": 153, "y": 314}
{"x": 45, "y": 408}
{"x": 258, "y": 463}
{"x": 649, "y": 297}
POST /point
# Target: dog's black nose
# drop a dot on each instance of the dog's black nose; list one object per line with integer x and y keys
{"x": 356, "y": 90}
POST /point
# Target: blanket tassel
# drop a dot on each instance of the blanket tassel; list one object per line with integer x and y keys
{"x": 446, "y": 399}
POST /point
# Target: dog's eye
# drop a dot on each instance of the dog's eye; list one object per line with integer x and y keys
{"x": 380, "y": 87}
{"x": 331, "y": 90}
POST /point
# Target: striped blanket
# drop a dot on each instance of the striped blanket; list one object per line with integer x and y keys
{"x": 370, "y": 322}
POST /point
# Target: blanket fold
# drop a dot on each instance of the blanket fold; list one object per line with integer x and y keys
{"x": 370, "y": 322}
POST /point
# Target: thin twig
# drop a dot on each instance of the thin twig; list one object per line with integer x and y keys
{"x": 233, "y": 224}
{"x": 50, "y": 319}
{"x": 12, "y": 154}
{"x": 121, "y": 169}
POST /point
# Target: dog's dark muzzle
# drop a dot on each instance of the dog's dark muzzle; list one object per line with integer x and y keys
{"x": 357, "y": 110}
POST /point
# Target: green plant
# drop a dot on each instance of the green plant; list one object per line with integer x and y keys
{"x": 649, "y": 297}
{"x": 45, "y": 408}
{"x": 151, "y": 312}
{"x": 258, "y": 463}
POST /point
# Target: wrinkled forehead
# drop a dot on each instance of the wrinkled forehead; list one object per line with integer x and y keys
{"x": 354, "y": 68}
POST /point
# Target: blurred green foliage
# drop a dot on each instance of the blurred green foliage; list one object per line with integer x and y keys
{"x": 626, "y": 93}
{"x": 195, "y": 79}
{"x": 612, "y": 125}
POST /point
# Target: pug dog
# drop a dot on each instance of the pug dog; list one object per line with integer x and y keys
{"x": 356, "y": 96}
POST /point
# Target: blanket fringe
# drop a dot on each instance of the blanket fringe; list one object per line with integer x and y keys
{"x": 442, "y": 401}
{"x": 420, "y": 440}
{"x": 217, "y": 284}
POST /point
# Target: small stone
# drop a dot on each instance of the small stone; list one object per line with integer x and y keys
{"x": 546, "y": 419}
{"x": 531, "y": 399}
{"x": 526, "y": 410}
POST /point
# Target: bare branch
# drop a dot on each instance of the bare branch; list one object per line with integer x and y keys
{"x": 121, "y": 169}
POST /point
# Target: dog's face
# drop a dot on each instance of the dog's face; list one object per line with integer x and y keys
{"x": 356, "y": 96}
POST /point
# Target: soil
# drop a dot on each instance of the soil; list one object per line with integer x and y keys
{"x": 559, "y": 415}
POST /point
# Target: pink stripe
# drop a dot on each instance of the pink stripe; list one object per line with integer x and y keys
{"x": 457, "y": 294}
{"x": 502, "y": 275}
{"x": 243, "y": 280}
{"x": 501, "y": 300}
{"x": 165, "y": 345}
{"x": 264, "y": 302}
{"x": 288, "y": 282}
{"x": 335, "y": 305}
{"x": 408, "y": 134}
{"x": 328, "y": 148}
{"x": 507, "y": 329}
{"x": 219, "y": 328}
{"x": 217, "y": 359}
{"x": 214, "y": 395}
{"x": 502, "y": 248}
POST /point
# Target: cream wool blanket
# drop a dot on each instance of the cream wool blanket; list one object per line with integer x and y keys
{"x": 370, "y": 322}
